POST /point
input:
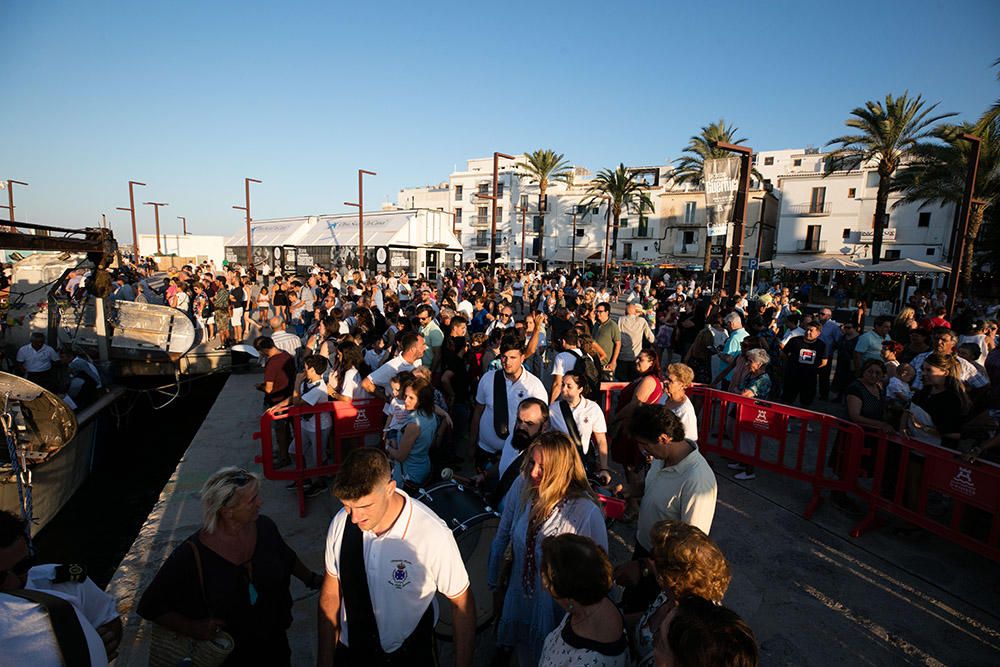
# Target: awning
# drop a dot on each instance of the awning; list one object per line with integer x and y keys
{"x": 907, "y": 265}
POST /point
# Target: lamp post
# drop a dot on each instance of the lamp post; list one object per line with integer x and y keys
{"x": 740, "y": 210}
{"x": 572, "y": 252}
{"x": 493, "y": 217}
{"x": 246, "y": 183}
{"x": 361, "y": 215}
{"x": 10, "y": 202}
{"x": 184, "y": 224}
{"x": 607, "y": 238}
{"x": 156, "y": 208}
{"x": 131, "y": 210}
{"x": 960, "y": 238}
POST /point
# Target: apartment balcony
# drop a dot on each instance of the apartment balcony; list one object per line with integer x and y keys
{"x": 810, "y": 210}
{"x": 688, "y": 250}
{"x": 479, "y": 221}
{"x": 810, "y": 246}
{"x": 484, "y": 243}
{"x": 681, "y": 221}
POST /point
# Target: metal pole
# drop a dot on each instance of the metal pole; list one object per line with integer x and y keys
{"x": 960, "y": 238}
{"x": 246, "y": 194}
{"x": 493, "y": 217}
{"x": 572, "y": 256}
{"x": 131, "y": 210}
{"x": 607, "y": 239}
{"x": 524, "y": 210}
{"x": 361, "y": 220}
{"x": 156, "y": 208}
{"x": 184, "y": 223}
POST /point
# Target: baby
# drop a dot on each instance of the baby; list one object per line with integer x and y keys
{"x": 898, "y": 390}
{"x": 399, "y": 416}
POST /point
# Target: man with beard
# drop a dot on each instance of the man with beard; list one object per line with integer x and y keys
{"x": 532, "y": 419}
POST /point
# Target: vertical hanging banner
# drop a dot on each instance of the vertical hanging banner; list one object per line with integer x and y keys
{"x": 722, "y": 180}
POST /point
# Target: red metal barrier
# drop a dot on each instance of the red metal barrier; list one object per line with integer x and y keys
{"x": 608, "y": 389}
{"x": 350, "y": 421}
{"x": 756, "y": 433}
{"x": 903, "y": 488}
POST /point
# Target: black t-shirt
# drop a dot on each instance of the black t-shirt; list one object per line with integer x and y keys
{"x": 239, "y": 297}
{"x": 259, "y": 628}
{"x": 945, "y": 409}
{"x": 804, "y": 357}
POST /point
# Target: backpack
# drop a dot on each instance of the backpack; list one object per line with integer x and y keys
{"x": 585, "y": 366}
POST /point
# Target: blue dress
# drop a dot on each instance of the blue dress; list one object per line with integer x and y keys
{"x": 416, "y": 468}
{"x": 529, "y": 616}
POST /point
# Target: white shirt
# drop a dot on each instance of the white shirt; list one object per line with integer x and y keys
{"x": 406, "y": 566}
{"x": 81, "y": 366}
{"x": 526, "y": 386}
{"x": 352, "y": 385}
{"x": 382, "y": 376}
{"x": 314, "y": 393}
{"x": 37, "y": 361}
{"x": 794, "y": 333}
{"x": 588, "y": 416}
{"x": 688, "y": 416}
{"x": 684, "y": 492}
{"x": 287, "y": 342}
{"x": 465, "y": 307}
{"x": 565, "y": 361}
{"x": 970, "y": 374}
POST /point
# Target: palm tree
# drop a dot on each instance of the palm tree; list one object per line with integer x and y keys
{"x": 938, "y": 173}
{"x": 623, "y": 192}
{"x": 992, "y": 116}
{"x": 545, "y": 167}
{"x": 887, "y": 134}
{"x": 691, "y": 167}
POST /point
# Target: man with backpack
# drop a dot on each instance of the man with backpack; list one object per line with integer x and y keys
{"x": 635, "y": 332}
{"x": 573, "y": 359}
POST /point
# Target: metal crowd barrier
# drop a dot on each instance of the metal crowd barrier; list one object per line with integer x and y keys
{"x": 351, "y": 422}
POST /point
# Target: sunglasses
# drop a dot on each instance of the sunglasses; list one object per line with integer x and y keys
{"x": 239, "y": 480}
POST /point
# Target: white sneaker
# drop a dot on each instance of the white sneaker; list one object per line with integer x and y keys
{"x": 745, "y": 476}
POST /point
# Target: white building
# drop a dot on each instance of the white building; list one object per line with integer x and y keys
{"x": 832, "y": 215}
{"x": 417, "y": 241}
{"x": 199, "y": 246}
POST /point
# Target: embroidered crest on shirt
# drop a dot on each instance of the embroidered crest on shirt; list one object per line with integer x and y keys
{"x": 400, "y": 577}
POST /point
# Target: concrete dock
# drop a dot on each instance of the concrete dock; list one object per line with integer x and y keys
{"x": 812, "y": 595}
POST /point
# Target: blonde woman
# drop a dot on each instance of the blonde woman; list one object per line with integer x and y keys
{"x": 551, "y": 497}
{"x": 679, "y": 378}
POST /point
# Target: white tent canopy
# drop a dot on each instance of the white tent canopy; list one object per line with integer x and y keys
{"x": 907, "y": 265}
{"x": 827, "y": 264}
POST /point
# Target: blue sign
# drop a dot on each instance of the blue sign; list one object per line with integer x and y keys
{"x": 752, "y": 264}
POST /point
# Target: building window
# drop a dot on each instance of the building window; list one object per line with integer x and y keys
{"x": 643, "y": 226}
{"x": 536, "y": 223}
{"x": 797, "y": 162}
{"x": 753, "y": 160}
{"x": 626, "y": 251}
{"x": 458, "y": 217}
{"x": 852, "y": 193}
{"x": 483, "y": 213}
{"x": 499, "y": 188}
{"x": 623, "y": 223}
{"x": 524, "y": 202}
{"x": 891, "y": 254}
{"x": 688, "y": 237}
{"x": 817, "y": 200}
{"x": 579, "y": 232}
{"x": 924, "y": 220}
{"x": 536, "y": 245}
{"x": 499, "y": 212}
{"x": 596, "y": 210}
{"x": 768, "y": 161}
{"x": 482, "y": 238}
{"x": 458, "y": 193}
{"x": 689, "y": 211}
{"x": 484, "y": 188}
{"x": 847, "y": 232}
{"x": 930, "y": 252}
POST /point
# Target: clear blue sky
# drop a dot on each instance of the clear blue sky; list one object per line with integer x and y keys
{"x": 190, "y": 97}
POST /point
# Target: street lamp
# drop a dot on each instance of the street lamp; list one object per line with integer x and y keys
{"x": 184, "y": 224}
{"x": 131, "y": 210}
{"x": 493, "y": 195}
{"x": 361, "y": 215}
{"x": 156, "y": 207}
{"x": 10, "y": 201}
{"x": 740, "y": 211}
{"x": 246, "y": 183}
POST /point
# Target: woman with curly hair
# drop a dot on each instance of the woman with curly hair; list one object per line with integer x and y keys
{"x": 550, "y": 497}
{"x": 685, "y": 562}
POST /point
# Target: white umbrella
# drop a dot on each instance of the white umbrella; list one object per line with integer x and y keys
{"x": 907, "y": 265}
{"x": 828, "y": 264}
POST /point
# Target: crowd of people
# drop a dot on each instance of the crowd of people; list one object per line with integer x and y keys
{"x": 498, "y": 376}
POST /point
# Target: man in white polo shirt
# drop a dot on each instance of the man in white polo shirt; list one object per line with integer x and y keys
{"x": 379, "y": 381}
{"x": 489, "y": 429}
{"x": 35, "y": 360}
{"x": 387, "y": 556}
{"x": 565, "y": 361}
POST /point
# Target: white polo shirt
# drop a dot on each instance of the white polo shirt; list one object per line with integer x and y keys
{"x": 527, "y": 385}
{"x": 406, "y": 567}
{"x": 685, "y": 492}
{"x": 589, "y": 418}
{"x": 688, "y": 416}
{"x": 565, "y": 361}
{"x": 382, "y": 376}
{"x": 37, "y": 361}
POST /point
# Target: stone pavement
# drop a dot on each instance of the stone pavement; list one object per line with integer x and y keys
{"x": 813, "y": 595}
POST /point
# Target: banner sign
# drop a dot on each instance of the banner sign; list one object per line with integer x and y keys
{"x": 722, "y": 180}
{"x": 718, "y": 230}
{"x": 888, "y": 234}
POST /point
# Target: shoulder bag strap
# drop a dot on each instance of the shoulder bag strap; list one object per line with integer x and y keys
{"x": 201, "y": 575}
{"x": 501, "y": 411}
{"x": 507, "y": 479}
{"x": 573, "y": 431}
{"x": 365, "y": 638}
{"x": 65, "y": 625}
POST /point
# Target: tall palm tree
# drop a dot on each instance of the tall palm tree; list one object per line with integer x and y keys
{"x": 887, "y": 134}
{"x": 992, "y": 115}
{"x": 938, "y": 172}
{"x": 691, "y": 167}
{"x": 624, "y": 194}
{"x": 545, "y": 167}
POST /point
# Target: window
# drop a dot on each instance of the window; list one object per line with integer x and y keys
{"x": 847, "y": 232}
{"x": 524, "y": 201}
{"x": 689, "y": 210}
{"x": 873, "y": 179}
{"x": 817, "y": 200}
{"x": 891, "y": 254}
{"x": 812, "y": 237}
{"x": 688, "y": 237}
{"x": 852, "y": 193}
{"x": 643, "y": 229}
{"x": 500, "y": 189}
{"x": 579, "y": 232}
{"x": 753, "y": 160}
{"x": 458, "y": 217}
{"x": 768, "y": 161}
{"x": 596, "y": 210}
{"x": 484, "y": 188}
{"x": 484, "y": 213}
{"x": 924, "y": 220}
{"x": 536, "y": 244}
{"x": 499, "y": 212}
{"x": 623, "y": 223}
{"x": 626, "y": 251}
{"x": 536, "y": 223}
{"x": 482, "y": 238}
{"x": 797, "y": 162}
{"x": 458, "y": 193}
{"x": 930, "y": 252}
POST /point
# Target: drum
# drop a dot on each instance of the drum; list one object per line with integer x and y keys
{"x": 474, "y": 524}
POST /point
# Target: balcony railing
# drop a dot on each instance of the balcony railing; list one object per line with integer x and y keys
{"x": 484, "y": 243}
{"x": 809, "y": 209}
{"x": 479, "y": 220}
{"x": 687, "y": 250}
{"x": 811, "y": 246}
{"x": 682, "y": 221}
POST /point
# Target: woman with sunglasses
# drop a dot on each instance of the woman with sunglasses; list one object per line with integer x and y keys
{"x": 233, "y": 574}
